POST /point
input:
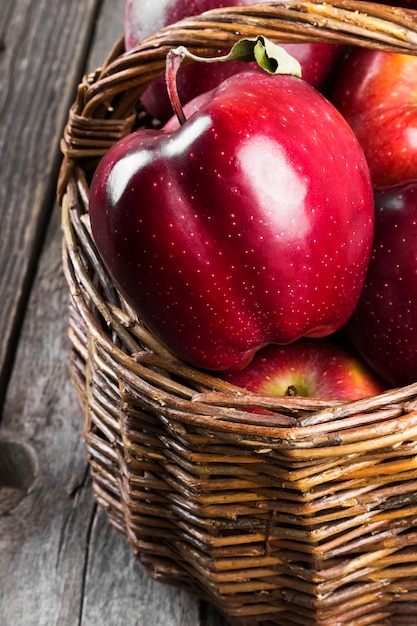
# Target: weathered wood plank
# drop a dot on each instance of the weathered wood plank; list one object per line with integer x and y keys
{"x": 43, "y": 537}
{"x": 43, "y": 44}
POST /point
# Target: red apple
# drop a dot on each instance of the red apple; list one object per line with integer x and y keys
{"x": 142, "y": 17}
{"x": 383, "y": 328}
{"x": 321, "y": 368}
{"x": 376, "y": 92}
{"x": 250, "y": 224}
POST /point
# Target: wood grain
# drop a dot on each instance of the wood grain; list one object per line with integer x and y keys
{"x": 43, "y": 44}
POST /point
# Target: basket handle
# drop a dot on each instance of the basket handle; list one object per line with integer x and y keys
{"x": 105, "y": 106}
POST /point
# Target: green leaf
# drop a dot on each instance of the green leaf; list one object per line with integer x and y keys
{"x": 272, "y": 58}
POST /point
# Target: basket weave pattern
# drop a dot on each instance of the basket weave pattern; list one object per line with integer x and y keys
{"x": 302, "y": 514}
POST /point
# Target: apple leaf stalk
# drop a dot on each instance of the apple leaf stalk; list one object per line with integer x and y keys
{"x": 270, "y": 57}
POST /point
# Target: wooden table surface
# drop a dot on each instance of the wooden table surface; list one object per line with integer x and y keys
{"x": 60, "y": 561}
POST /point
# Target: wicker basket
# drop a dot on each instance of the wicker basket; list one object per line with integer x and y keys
{"x": 306, "y": 517}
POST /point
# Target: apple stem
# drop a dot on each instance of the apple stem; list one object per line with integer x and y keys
{"x": 291, "y": 391}
{"x": 173, "y": 62}
{"x": 270, "y": 57}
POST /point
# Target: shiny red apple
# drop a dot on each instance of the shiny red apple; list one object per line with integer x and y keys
{"x": 376, "y": 92}
{"x": 251, "y": 223}
{"x": 383, "y": 328}
{"x": 321, "y": 368}
{"x": 143, "y": 17}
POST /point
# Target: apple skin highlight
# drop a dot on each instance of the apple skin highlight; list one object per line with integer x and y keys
{"x": 225, "y": 235}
